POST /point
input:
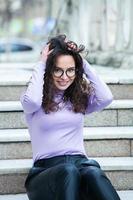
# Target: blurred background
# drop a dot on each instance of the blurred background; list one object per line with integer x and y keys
{"x": 103, "y": 26}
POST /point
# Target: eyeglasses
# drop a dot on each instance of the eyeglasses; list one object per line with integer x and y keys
{"x": 70, "y": 72}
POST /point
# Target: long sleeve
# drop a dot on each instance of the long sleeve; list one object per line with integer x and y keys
{"x": 31, "y": 99}
{"x": 102, "y": 96}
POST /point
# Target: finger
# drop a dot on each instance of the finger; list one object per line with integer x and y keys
{"x": 66, "y": 40}
{"x": 50, "y": 51}
{"x": 48, "y": 45}
{"x": 45, "y": 48}
{"x": 72, "y": 45}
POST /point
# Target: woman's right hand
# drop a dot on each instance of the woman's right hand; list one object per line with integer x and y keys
{"x": 45, "y": 52}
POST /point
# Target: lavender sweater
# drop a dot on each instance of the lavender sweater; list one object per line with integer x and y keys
{"x": 61, "y": 132}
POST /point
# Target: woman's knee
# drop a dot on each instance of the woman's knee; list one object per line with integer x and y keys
{"x": 92, "y": 173}
{"x": 67, "y": 174}
{"x": 69, "y": 169}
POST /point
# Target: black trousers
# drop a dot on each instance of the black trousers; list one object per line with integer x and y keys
{"x": 68, "y": 177}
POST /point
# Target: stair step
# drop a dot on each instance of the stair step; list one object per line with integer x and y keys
{"x": 14, "y": 197}
{"x": 107, "y": 164}
{"x": 118, "y": 113}
{"x": 123, "y": 132}
{"x": 98, "y": 141}
{"x": 109, "y": 74}
{"x": 120, "y": 82}
{"x": 14, "y": 172}
{"x": 124, "y": 195}
{"x": 116, "y": 104}
{"x": 11, "y": 91}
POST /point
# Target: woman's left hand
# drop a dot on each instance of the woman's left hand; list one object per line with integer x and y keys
{"x": 71, "y": 46}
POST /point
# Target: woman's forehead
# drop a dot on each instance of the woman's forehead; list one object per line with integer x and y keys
{"x": 64, "y": 61}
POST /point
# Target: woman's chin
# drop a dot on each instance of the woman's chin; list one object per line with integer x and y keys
{"x": 62, "y": 87}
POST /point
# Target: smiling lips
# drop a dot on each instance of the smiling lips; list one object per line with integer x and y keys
{"x": 62, "y": 83}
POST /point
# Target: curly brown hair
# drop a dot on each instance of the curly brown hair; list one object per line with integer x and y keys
{"x": 79, "y": 91}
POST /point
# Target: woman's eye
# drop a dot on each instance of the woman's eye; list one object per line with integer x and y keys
{"x": 71, "y": 70}
{"x": 57, "y": 70}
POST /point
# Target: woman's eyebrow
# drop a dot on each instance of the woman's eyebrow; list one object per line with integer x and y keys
{"x": 72, "y": 67}
{"x": 67, "y": 68}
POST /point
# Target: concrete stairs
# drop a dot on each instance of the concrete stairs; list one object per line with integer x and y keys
{"x": 13, "y": 173}
{"x": 124, "y": 195}
{"x": 119, "y": 113}
{"x": 108, "y": 136}
{"x": 117, "y": 141}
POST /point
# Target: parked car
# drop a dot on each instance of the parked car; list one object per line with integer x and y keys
{"x": 18, "y": 50}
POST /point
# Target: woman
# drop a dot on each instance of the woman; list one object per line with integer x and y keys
{"x": 57, "y": 98}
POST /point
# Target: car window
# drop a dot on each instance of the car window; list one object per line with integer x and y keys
{"x": 20, "y": 47}
{"x": 3, "y": 48}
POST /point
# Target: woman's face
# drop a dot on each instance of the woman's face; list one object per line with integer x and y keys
{"x": 64, "y": 72}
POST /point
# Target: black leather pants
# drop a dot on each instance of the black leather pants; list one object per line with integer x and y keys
{"x": 68, "y": 177}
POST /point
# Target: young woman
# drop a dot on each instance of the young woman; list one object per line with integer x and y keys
{"x": 63, "y": 89}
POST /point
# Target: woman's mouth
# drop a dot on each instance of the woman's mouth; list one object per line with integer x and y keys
{"x": 62, "y": 83}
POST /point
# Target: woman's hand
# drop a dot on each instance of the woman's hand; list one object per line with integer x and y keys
{"x": 45, "y": 52}
{"x": 71, "y": 46}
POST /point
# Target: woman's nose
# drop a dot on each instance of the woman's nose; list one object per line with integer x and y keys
{"x": 64, "y": 76}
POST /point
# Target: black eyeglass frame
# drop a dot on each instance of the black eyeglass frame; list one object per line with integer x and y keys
{"x": 64, "y": 71}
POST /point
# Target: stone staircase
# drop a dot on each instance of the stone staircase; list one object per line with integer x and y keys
{"x": 108, "y": 135}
